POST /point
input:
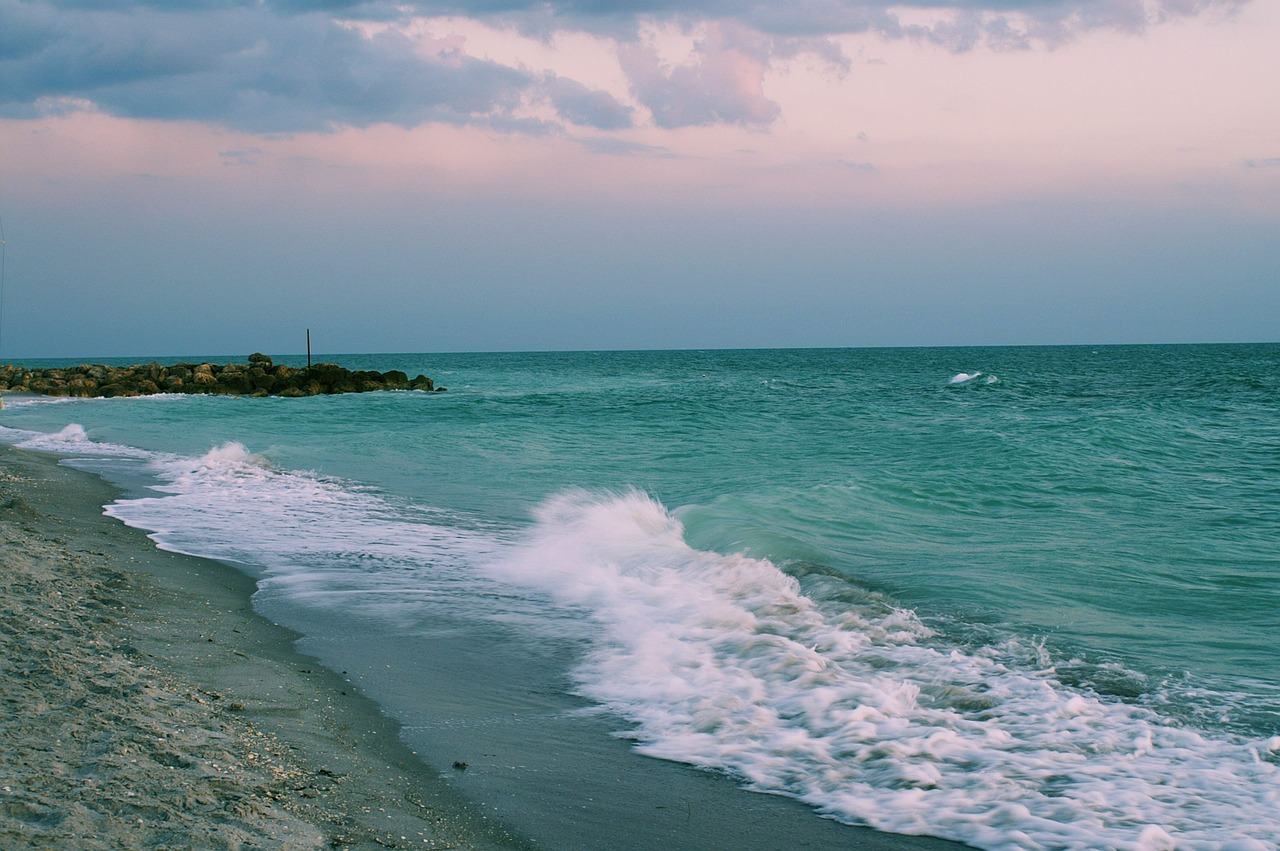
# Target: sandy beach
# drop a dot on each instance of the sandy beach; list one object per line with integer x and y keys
{"x": 145, "y": 705}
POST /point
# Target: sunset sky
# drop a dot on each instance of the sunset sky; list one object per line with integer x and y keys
{"x": 217, "y": 176}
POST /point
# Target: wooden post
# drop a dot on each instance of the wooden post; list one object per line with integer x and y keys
{"x": 308, "y": 348}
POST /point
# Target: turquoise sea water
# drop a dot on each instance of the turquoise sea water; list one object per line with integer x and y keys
{"x": 1015, "y": 597}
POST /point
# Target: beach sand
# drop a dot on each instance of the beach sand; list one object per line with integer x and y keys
{"x": 145, "y": 705}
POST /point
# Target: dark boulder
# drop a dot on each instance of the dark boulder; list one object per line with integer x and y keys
{"x": 110, "y": 391}
{"x": 85, "y": 388}
{"x": 234, "y": 382}
{"x": 262, "y": 380}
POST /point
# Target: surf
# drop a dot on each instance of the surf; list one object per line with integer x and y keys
{"x": 722, "y": 661}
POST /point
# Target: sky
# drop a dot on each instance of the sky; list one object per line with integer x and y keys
{"x": 218, "y": 176}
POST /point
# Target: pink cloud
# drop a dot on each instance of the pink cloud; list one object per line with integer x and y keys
{"x": 722, "y": 82}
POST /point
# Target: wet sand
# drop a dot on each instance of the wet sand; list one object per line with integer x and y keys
{"x": 144, "y": 705}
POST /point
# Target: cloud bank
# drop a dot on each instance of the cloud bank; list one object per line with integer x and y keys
{"x": 316, "y": 65}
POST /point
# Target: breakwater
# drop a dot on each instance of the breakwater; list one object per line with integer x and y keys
{"x": 258, "y": 377}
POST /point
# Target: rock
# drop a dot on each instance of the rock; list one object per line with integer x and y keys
{"x": 48, "y": 386}
{"x": 204, "y": 380}
{"x": 110, "y": 391}
{"x": 84, "y": 388}
{"x": 234, "y": 382}
{"x": 394, "y": 380}
{"x": 259, "y": 377}
{"x": 261, "y": 380}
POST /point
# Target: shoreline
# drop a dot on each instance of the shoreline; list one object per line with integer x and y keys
{"x": 147, "y": 706}
{"x": 144, "y": 704}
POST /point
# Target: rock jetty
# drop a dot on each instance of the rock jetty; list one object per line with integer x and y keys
{"x": 258, "y": 377}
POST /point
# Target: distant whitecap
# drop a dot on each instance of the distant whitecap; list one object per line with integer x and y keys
{"x": 972, "y": 378}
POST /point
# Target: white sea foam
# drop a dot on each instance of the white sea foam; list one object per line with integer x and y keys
{"x": 722, "y": 661}
{"x": 971, "y": 378}
{"x": 22, "y": 400}
{"x": 305, "y": 536}
{"x": 73, "y": 440}
{"x": 15, "y": 436}
{"x": 308, "y": 537}
{"x": 72, "y": 433}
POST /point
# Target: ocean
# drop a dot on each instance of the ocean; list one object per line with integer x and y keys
{"x": 1016, "y": 597}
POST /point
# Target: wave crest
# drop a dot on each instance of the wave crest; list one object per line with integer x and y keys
{"x": 722, "y": 661}
{"x": 72, "y": 439}
{"x": 970, "y": 379}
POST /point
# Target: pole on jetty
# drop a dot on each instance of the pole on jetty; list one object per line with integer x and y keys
{"x": 308, "y": 348}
